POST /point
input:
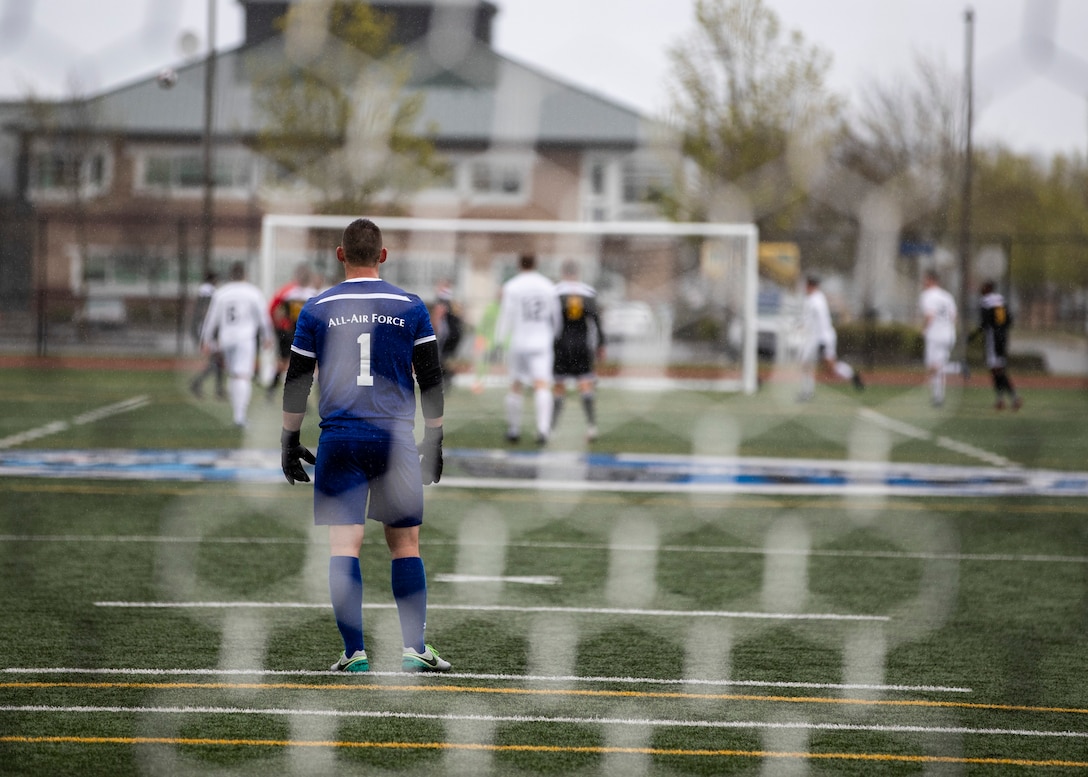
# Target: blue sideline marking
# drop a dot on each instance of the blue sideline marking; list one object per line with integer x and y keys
{"x": 572, "y": 471}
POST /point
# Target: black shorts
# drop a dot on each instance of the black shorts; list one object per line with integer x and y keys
{"x": 285, "y": 337}
{"x": 573, "y": 362}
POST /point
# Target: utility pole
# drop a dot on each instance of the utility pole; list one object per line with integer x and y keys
{"x": 965, "y": 212}
{"x": 207, "y": 212}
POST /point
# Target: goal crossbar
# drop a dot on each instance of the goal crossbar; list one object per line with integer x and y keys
{"x": 749, "y": 232}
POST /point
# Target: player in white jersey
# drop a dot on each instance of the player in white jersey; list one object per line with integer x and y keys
{"x": 938, "y": 309}
{"x": 237, "y": 316}
{"x": 821, "y": 340}
{"x": 530, "y": 316}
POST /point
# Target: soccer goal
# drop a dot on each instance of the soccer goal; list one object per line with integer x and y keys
{"x": 674, "y": 296}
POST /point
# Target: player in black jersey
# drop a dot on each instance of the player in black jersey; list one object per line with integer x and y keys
{"x": 994, "y": 323}
{"x": 578, "y": 346}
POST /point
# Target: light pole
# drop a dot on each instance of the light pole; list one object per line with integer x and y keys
{"x": 207, "y": 211}
{"x": 965, "y": 213}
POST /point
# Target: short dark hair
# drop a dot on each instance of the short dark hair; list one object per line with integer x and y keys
{"x": 812, "y": 280}
{"x": 988, "y": 287}
{"x": 362, "y": 243}
{"x": 238, "y": 271}
{"x": 527, "y": 261}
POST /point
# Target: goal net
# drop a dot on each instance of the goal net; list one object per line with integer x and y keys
{"x": 675, "y": 298}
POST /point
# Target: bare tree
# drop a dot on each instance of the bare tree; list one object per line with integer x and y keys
{"x": 753, "y": 113}
{"x": 908, "y": 138}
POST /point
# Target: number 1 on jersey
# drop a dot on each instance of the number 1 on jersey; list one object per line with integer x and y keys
{"x": 365, "y": 378}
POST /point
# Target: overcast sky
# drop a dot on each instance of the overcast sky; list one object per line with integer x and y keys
{"x": 1031, "y": 56}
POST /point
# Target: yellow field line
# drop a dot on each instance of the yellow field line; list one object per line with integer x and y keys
{"x": 551, "y": 749}
{"x": 41, "y": 684}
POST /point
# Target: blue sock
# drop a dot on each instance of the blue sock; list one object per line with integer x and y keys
{"x": 410, "y": 592}
{"x": 346, "y": 592}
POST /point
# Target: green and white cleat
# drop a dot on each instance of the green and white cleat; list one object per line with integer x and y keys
{"x": 427, "y": 661}
{"x": 357, "y": 663}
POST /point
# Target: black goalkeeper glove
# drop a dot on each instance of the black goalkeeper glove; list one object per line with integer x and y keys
{"x": 292, "y": 454}
{"x": 430, "y": 455}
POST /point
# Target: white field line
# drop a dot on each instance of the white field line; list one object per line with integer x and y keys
{"x": 786, "y": 616}
{"x": 525, "y": 678}
{"x": 728, "y": 550}
{"x": 55, "y": 427}
{"x": 944, "y": 442}
{"x": 724, "y": 724}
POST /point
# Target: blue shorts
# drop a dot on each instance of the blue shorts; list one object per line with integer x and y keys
{"x": 357, "y": 479}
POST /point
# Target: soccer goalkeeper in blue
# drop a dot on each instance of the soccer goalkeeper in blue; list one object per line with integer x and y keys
{"x": 365, "y": 338}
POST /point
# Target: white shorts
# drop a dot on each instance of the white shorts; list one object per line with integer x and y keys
{"x": 529, "y": 367}
{"x": 938, "y": 352}
{"x": 810, "y": 350}
{"x": 240, "y": 358}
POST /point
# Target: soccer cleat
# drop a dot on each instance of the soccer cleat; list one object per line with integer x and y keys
{"x": 1017, "y": 403}
{"x": 427, "y": 661}
{"x": 858, "y": 384}
{"x": 357, "y": 663}
{"x": 999, "y": 404}
{"x": 541, "y": 440}
{"x": 512, "y": 439}
{"x": 591, "y": 434}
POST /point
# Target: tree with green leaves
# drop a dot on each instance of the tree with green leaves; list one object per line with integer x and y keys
{"x": 1038, "y": 211}
{"x": 337, "y": 114}
{"x": 753, "y": 113}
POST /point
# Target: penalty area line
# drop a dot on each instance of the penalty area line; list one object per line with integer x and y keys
{"x": 56, "y": 427}
{"x": 908, "y": 430}
{"x": 460, "y": 690}
{"x": 546, "y": 579}
{"x": 786, "y": 616}
{"x": 549, "y": 719}
{"x": 527, "y": 678}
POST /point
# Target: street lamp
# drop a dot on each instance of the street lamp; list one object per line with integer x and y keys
{"x": 965, "y": 214}
{"x": 207, "y": 211}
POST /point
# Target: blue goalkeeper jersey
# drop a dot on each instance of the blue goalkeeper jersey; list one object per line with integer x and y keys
{"x": 362, "y": 333}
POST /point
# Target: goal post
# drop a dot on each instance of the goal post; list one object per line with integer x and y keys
{"x": 673, "y": 292}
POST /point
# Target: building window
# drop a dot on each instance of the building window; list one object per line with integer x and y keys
{"x": 67, "y": 171}
{"x": 641, "y": 180}
{"x": 502, "y": 177}
{"x": 491, "y": 177}
{"x": 183, "y": 170}
{"x": 597, "y": 178}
